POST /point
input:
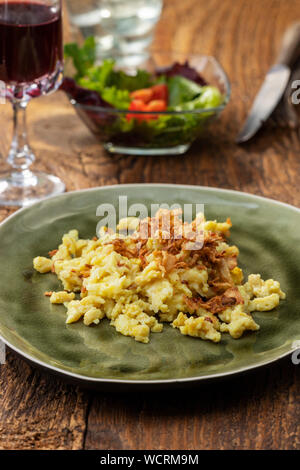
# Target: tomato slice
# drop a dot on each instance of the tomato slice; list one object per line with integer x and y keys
{"x": 145, "y": 95}
{"x": 136, "y": 105}
{"x": 139, "y": 105}
{"x": 155, "y": 105}
{"x": 160, "y": 92}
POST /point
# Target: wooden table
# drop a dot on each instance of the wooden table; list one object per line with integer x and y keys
{"x": 259, "y": 410}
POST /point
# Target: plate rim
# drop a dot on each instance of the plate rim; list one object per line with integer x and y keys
{"x": 100, "y": 380}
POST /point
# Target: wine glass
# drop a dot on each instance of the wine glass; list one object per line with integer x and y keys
{"x": 31, "y": 65}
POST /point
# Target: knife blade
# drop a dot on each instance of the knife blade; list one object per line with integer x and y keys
{"x": 266, "y": 100}
{"x": 274, "y": 84}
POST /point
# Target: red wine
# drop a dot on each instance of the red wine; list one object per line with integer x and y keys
{"x": 30, "y": 41}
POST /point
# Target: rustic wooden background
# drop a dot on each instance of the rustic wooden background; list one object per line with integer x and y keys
{"x": 257, "y": 411}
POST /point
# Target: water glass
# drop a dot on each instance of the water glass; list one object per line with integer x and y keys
{"x": 121, "y": 27}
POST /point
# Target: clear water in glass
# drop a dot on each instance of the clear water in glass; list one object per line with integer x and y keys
{"x": 120, "y": 26}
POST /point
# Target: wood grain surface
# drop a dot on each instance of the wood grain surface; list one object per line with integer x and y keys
{"x": 259, "y": 410}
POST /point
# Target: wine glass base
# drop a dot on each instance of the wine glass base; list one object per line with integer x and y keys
{"x": 24, "y": 191}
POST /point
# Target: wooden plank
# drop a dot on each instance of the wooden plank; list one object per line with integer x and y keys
{"x": 256, "y": 411}
{"x": 39, "y": 411}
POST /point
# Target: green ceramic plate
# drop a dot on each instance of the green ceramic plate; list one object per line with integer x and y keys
{"x": 266, "y": 231}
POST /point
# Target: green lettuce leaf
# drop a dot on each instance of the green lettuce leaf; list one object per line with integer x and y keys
{"x": 210, "y": 97}
{"x": 83, "y": 57}
{"x": 182, "y": 90}
{"x": 120, "y": 99}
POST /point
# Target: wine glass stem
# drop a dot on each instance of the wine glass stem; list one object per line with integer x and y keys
{"x": 20, "y": 156}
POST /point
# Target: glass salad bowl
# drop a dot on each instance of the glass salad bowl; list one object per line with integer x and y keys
{"x": 197, "y": 98}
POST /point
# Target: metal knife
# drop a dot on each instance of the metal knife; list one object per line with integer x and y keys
{"x": 274, "y": 84}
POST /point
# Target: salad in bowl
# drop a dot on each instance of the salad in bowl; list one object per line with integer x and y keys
{"x": 161, "y": 109}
